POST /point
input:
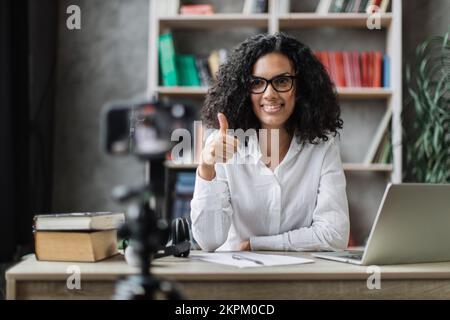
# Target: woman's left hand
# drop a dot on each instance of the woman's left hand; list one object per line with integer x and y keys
{"x": 245, "y": 246}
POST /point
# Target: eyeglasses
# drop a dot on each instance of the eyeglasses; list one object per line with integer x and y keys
{"x": 280, "y": 84}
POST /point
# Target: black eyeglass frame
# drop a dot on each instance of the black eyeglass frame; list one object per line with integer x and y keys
{"x": 269, "y": 81}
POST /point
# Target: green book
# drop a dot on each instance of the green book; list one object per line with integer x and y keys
{"x": 167, "y": 61}
{"x": 188, "y": 74}
{"x": 386, "y": 152}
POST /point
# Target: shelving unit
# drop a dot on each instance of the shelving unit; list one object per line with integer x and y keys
{"x": 273, "y": 22}
{"x": 343, "y": 93}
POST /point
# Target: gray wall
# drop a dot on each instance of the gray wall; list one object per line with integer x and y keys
{"x": 107, "y": 60}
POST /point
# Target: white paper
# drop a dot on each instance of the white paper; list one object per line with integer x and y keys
{"x": 267, "y": 260}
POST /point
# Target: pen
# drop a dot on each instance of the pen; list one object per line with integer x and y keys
{"x": 238, "y": 257}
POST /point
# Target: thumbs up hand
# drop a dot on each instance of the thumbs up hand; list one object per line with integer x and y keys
{"x": 223, "y": 123}
{"x": 220, "y": 150}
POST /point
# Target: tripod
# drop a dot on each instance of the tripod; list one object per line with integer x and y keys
{"x": 148, "y": 233}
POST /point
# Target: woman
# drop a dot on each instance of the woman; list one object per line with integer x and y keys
{"x": 286, "y": 191}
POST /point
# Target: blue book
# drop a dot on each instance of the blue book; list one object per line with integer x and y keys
{"x": 386, "y": 71}
{"x": 184, "y": 189}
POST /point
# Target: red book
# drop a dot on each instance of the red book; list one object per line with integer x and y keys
{"x": 326, "y": 62}
{"x": 332, "y": 59}
{"x": 370, "y": 69}
{"x": 340, "y": 69}
{"x": 347, "y": 69}
{"x": 357, "y": 69}
{"x": 364, "y": 69}
{"x": 378, "y": 62}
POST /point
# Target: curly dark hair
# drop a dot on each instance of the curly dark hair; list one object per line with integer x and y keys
{"x": 316, "y": 112}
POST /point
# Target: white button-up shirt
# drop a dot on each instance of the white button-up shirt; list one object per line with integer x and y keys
{"x": 301, "y": 205}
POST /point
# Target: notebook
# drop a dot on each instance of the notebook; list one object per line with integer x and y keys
{"x": 245, "y": 259}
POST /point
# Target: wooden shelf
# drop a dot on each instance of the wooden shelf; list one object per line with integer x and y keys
{"x": 344, "y": 93}
{"x": 347, "y": 166}
{"x": 182, "y": 91}
{"x": 172, "y": 165}
{"x": 367, "y": 167}
{"x": 353, "y": 20}
{"x": 364, "y": 93}
{"x": 214, "y": 21}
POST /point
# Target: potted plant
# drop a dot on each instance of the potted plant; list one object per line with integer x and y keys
{"x": 428, "y": 140}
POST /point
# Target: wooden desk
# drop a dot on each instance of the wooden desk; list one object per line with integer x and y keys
{"x": 31, "y": 279}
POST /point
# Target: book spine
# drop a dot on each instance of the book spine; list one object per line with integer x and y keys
{"x": 378, "y": 66}
{"x": 167, "y": 60}
{"x": 386, "y": 71}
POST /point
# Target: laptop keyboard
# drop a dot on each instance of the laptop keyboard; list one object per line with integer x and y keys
{"x": 354, "y": 254}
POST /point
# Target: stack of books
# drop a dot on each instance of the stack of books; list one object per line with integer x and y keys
{"x": 187, "y": 69}
{"x": 188, "y": 9}
{"x": 81, "y": 237}
{"x": 183, "y": 193}
{"x": 352, "y": 6}
{"x": 356, "y": 69}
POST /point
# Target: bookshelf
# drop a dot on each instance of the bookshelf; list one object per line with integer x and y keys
{"x": 273, "y": 21}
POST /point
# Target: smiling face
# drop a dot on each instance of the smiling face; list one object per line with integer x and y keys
{"x": 273, "y": 108}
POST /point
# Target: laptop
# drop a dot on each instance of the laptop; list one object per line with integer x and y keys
{"x": 412, "y": 226}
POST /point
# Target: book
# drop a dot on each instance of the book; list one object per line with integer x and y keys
{"x": 203, "y": 71}
{"x": 378, "y": 65}
{"x": 254, "y": 6}
{"x": 200, "y": 9}
{"x": 79, "y": 221}
{"x": 338, "y": 6}
{"x": 363, "y": 6}
{"x": 386, "y": 71}
{"x": 384, "y": 6}
{"x": 323, "y": 6}
{"x": 385, "y": 154}
{"x": 167, "y": 60}
{"x": 213, "y": 63}
{"x": 376, "y": 141}
{"x": 247, "y": 9}
{"x": 79, "y": 246}
{"x": 187, "y": 70}
{"x": 259, "y": 6}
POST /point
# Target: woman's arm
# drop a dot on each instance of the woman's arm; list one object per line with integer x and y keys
{"x": 211, "y": 207}
{"x": 211, "y": 211}
{"x": 330, "y": 226}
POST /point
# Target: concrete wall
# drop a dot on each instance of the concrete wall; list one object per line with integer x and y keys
{"x": 107, "y": 60}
